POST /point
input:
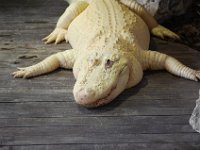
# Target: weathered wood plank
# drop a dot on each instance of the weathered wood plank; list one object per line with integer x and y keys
{"x": 115, "y": 146}
{"x": 102, "y": 139}
{"x": 92, "y": 120}
{"x": 117, "y": 108}
{"x": 95, "y": 125}
{"x": 94, "y": 129}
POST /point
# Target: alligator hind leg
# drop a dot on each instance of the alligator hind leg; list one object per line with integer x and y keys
{"x": 153, "y": 25}
{"x": 64, "y": 59}
{"x": 155, "y": 61}
{"x": 64, "y": 21}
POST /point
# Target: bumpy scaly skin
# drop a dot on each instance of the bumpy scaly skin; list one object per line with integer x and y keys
{"x": 154, "y": 27}
{"x": 110, "y": 41}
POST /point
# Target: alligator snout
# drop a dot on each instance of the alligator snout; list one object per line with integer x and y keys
{"x": 84, "y": 96}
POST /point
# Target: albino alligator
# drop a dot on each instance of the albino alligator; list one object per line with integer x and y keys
{"x": 110, "y": 42}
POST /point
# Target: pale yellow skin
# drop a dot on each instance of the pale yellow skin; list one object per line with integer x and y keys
{"x": 110, "y": 41}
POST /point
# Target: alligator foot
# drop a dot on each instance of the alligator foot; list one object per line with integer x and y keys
{"x": 57, "y": 36}
{"x": 22, "y": 73}
{"x": 163, "y": 32}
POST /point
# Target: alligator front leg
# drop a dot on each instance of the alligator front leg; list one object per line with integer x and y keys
{"x": 155, "y": 61}
{"x": 64, "y": 21}
{"x": 64, "y": 59}
{"x": 153, "y": 25}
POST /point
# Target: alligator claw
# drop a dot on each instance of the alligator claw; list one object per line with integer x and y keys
{"x": 21, "y": 73}
{"x": 57, "y": 36}
{"x": 163, "y": 32}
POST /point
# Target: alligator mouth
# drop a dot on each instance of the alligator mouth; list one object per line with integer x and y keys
{"x": 108, "y": 98}
{"x": 103, "y": 100}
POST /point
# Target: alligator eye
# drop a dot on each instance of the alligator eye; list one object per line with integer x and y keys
{"x": 108, "y": 63}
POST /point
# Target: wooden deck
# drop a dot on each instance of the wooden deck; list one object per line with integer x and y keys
{"x": 40, "y": 113}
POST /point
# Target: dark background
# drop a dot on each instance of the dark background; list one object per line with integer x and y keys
{"x": 188, "y": 26}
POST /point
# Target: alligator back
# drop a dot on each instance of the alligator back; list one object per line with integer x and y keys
{"x": 108, "y": 23}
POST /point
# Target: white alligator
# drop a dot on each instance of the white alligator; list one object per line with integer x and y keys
{"x": 110, "y": 49}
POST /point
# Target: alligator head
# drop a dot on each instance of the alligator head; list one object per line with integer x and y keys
{"x": 103, "y": 75}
